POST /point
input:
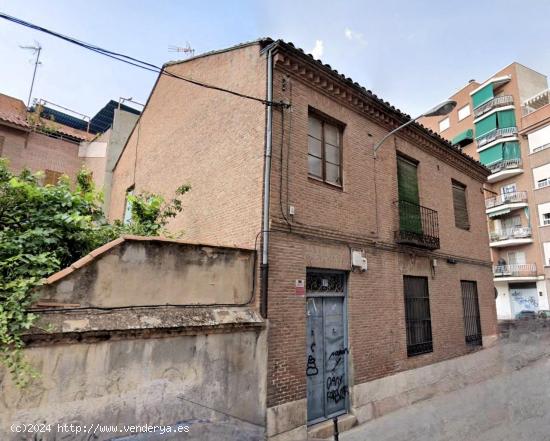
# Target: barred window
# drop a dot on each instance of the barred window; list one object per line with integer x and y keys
{"x": 472, "y": 321}
{"x": 417, "y": 315}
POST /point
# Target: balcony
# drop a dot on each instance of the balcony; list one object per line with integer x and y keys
{"x": 515, "y": 272}
{"x": 496, "y": 135}
{"x": 535, "y": 102}
{"x": 518, "y": 235}
{"x": 504, "y": 169}
{"x": 418, "y": 226}
{"x": 495, "y": 103}
{"x": 504, "y": 203}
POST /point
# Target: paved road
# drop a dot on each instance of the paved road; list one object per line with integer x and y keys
{"x": 513, "y": 406}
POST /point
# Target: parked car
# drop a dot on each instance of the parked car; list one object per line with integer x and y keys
{"x": 526, "y": 315}
{"x": 544, "y": 314}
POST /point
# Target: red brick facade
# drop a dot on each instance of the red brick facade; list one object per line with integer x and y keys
{"x": 39, "y": 152}
{"x": 188, "y": 134}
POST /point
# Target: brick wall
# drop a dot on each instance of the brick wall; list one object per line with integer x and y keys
{"x": 329, "y": 221}
{"x": 208, "y": 139}
{"x": 215, "y": 143}
{"x": 36, "y": 152}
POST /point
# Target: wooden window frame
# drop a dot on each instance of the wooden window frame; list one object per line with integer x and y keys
{"x": 458, "y": 184}
{"x": 326, "y": 119}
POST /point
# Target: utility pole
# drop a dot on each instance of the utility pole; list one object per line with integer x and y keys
{"x": 36, "y": 51}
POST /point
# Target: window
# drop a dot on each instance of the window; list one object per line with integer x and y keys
{"x": 541, "y": 176}
{"x": 407, "y": 187}
{"x": 544, "y": 213}
{"x": 539, "y": 139}
{"x": 1, "y": 145}
{"x": 464, "y": 112}
{"x": 460, "y": 206}
{"x": 51, "y": 177}
{"x": 417, "y": 315}
{"x": 324, "y": 150}
{"x": 546, "y": 246}
{"x": 444, "y": 124}
{"x": 128, "y": 206}
{"x": 472, "y": 322}
{"x": 516, "y": 258}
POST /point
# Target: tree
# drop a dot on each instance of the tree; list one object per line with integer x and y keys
{"x": 44, "y": 228}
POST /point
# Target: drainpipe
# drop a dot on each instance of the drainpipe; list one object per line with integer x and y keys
{"x": 264, "y": 265}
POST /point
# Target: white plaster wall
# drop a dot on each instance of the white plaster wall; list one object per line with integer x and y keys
{"x": 543, "y": 300}
{"x": 504, "y": 308}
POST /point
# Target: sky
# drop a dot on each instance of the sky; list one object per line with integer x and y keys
{"x": 411, "y": 53}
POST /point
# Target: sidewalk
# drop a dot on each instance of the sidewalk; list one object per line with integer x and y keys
{"x": 513, "y": 406}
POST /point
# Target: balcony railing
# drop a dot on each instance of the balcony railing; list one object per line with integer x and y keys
{"x": 536, "y": 102}
{"x": 515, "y": 270}
{"x": 505, "y": 164}
{"x": 518, "y": 232}
{"x": 498, "y": 101}
{"x": 495, "y": 134}
{"x": 508, "y": 198}
{"x": 418, "y": 226}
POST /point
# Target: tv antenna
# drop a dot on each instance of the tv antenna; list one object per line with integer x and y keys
{"x": 36, "y": 49}
{"x": 187, "y": 49}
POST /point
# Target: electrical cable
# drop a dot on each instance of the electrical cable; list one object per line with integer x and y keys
{"x": 134, "y": 61}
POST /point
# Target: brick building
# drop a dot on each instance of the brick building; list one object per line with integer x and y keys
{"x": 368, "y": 266}
{"x": 505, "y": 123}
{"x": 53, "y": 151}
{"x": 58, "y": 143}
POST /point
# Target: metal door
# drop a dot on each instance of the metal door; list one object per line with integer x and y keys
{"x": 524, "y": 297}
{"x": 326, "y": 368}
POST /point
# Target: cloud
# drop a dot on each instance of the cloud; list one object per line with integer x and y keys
{"x": 317, "y": 51}
{"x": 355, "y": 36}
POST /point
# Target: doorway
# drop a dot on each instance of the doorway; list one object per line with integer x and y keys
{"x": 327, "y": 351}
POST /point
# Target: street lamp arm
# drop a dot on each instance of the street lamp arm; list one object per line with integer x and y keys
{"x": 379, "y": 143}
{"x": 441, "y": 109}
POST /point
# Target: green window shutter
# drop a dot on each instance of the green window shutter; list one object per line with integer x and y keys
{"x": 407, "y": 185}
{"x": 486, "y": 125}
{"x": 506, "y": 118}
{"x": 511, "y": 150}
{"x": 483, "y": 95}
{"x": 407, "y": 180}
{"x": 460, "y": 206}
{"x": 491, "y": 155}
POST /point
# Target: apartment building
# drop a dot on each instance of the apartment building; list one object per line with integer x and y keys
{"x": 373, "y": 265}
{"x": 504, "y": 122}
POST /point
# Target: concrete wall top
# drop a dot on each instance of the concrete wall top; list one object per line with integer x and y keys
{"x": 138, "y": 271}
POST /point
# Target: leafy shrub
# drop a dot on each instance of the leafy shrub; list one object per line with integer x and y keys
{"x": 46, "y": 228}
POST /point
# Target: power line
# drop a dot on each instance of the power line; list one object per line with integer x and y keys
{"x": 134, "y": 61}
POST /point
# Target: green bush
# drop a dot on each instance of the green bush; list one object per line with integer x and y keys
{"x": 44, "y": 228}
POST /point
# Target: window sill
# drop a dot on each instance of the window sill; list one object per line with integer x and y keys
{"x": 318, "y": 181}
